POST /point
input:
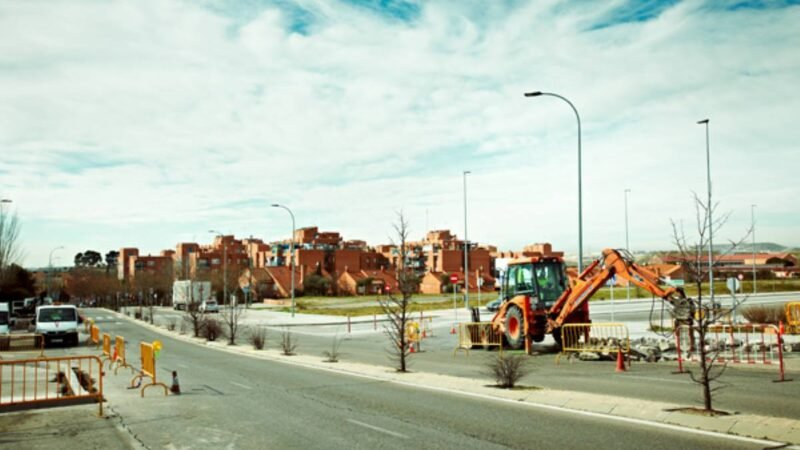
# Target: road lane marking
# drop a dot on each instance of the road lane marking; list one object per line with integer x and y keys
{"x": 658, "y": 379}
{"x": 241, "y": 385}
{"x": 378, "y": 429}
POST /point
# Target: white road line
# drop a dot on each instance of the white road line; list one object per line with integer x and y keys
{"x": 241, "y": 385}
{"x": 378, "y": 429}
{"x": 658, "y": 379}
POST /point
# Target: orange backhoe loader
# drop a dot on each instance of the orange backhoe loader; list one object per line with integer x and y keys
{"x": 538, "y": 297}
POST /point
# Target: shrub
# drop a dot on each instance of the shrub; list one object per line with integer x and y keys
{"x": 507, "y": 370}
{"x": 288, "y": 343}
{"x": 258, "y": 337}
{"x": 212, "y": 329}
{"x": 172, "y": 324}
{"x": 771, "y": 314}
{"x": 334, "y": 353}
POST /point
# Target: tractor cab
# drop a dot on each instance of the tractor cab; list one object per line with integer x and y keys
{"x": 542, "y": 279}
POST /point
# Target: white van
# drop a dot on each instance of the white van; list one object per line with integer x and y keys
{"x": 58, "y": 323}
{"x": 4, "y": 318}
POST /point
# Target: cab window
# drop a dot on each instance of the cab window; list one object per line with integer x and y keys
{"x": 520, "y": 280}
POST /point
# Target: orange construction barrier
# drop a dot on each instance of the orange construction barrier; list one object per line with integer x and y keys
{"x": 94, "y": 335}
{"x": 51, "y": 381}
{"x": 107, "y": 349}
{"x": 792, "y": 318}
{"x": 148, "y": 355}
{"x": 119, "y": 355}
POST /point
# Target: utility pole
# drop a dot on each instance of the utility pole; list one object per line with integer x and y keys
{"x": 753, "y": 230}
{"x": 627, "y": 244}
{"x": 466, "y": 245}
{"x": 291, "y": 249}
{"x": 710, "y": 221}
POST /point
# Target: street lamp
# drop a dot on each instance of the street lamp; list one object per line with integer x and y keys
{"x": 466, "y": 244}
{"x": 627, "y": 244}
{"x": 291, "y": 248}
{"x": 580, "y": 197}
{"x": 224, "y": 265}
{"x": 50, "y": 268}
{"x": 753, "y": 230}
{"x": 710, "y": 221}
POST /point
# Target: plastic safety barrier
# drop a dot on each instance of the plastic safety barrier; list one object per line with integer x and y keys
{"x": 51, "y": 381}
{"x": 88, "y": 325}
{"x": 733, "y": 344}
{"x": 595, "y": 338}
{"x": 33, "y": 342}
{"x": 148, "y": 370}
{"x": 119, "y": 355}
{"x": 107, "y": 349}
{"x": 793, "y": 318}
{"x": 94, "y": 335}
{"x": 473, "y": 334}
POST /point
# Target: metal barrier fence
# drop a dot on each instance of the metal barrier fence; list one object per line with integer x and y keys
{"x": 473, "y": 334}
{"x": 51, "y": 381}
{"x": 595, "y": 338}
{"x": 793, "y": 318}
{"x": 148, "y": 358}
{"x": 22, "y": 343}
{"x": 733, "y": 344}
{"x": 119, "y": 355}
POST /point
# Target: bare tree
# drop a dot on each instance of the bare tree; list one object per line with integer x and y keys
{"x": 695, "y": 261}
{"x": 231, "y": 317}
{"x": 397, "y": 306}
{"x": 10, "y": 251}
{"x": 194, "y": 318}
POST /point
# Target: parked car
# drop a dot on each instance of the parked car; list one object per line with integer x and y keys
{"x": 494, "y": 305}
{"x": 209, "y": 306}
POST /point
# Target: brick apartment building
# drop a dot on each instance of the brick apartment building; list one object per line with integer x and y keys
{"x": 130, "y": 264}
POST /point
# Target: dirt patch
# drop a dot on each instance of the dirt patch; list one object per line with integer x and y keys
{"x": 699, "y": 412}
{"x": 515, "y": 388}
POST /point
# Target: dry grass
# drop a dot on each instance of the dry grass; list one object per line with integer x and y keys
{"x": 772, "y": 314}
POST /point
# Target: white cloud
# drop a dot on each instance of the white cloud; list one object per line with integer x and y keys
{"x": 197, "y": 120}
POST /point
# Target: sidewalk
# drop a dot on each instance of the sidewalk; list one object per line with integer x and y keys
{"x": 777, "y": 429}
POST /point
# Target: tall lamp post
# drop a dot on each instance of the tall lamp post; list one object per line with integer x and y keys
{"x": 753, "y": 227}
{"x": 50, "y": 268}
{"x": 466, "y": 245}
{"x": 291, "y": 248}
{"x": 224, "y": 266}
{"x": 710, "y": 221}
{"x": 580, "y": 195}
{"x": 627, "y": 243}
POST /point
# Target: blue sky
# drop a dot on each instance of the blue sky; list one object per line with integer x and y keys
{"x": 145, "y": 123}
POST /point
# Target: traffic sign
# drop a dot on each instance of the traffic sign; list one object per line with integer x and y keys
{"x": 454, "y": 278}
{"x": 733, "y": 284}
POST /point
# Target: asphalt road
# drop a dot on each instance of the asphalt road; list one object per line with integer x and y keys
{"x": 239, "y": 402}
{"x": 745, "y": 389}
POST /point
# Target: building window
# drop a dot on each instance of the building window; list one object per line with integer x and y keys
{"x": 151, "y": 263}
{"x": 215, "y": 261}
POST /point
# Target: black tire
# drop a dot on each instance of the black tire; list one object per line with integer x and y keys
{"x": 557, "y": 337}
{"x": 515, "y": 328}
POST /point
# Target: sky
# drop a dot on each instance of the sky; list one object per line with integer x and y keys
{"x": 145, "y": 123}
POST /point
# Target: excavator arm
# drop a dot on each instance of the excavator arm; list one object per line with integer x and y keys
{"x": 613, "y": 263}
